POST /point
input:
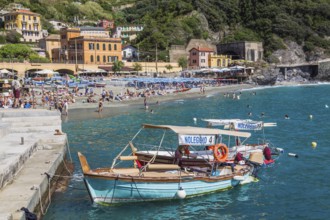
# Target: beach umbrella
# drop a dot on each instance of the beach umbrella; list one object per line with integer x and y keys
{"x": 45, "y": 72}
{"x": 5, "y": 71}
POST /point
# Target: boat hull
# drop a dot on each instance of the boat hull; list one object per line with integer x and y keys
{"x": 118, "y": 191}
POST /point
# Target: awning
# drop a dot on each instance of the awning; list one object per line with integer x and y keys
{"x": 45, "y": 72}
{"x": 198, "y": 130}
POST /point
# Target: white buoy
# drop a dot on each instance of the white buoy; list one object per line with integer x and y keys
{"x": 311, "y": 116}
{"x": 181, "y": 193}
{"x": 195, "y": 119}
{"x": 293, "y": 155}
{"x": 281, "y": 150}
{"x": 239, "y": 178}
{"x": 314, "y": 144}
{"x": 326, "y": 106}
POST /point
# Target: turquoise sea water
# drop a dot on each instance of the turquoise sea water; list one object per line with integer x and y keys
{"x": 295, "y": 188}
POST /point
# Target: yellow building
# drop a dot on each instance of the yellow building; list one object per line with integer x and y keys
{"x": 87, "y": 45}
{"x": 49, "y": 43}
{"x": 24, "y": 22}
{"x": 219, "y": 60}
{"x": 94, "y": 50}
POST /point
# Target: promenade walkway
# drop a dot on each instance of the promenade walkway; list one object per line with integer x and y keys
{"x": 28, "y": 149}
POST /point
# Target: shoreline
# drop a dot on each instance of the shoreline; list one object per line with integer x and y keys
{"x": 80, "y": 110}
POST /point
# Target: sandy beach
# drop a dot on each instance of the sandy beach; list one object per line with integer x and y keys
{"x": 81, "y": 110}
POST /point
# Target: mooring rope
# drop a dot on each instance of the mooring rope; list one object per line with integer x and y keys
{"x": 113, "y": 191}
{"x": 67, "y": 144}
{"x": 137, "y": 189}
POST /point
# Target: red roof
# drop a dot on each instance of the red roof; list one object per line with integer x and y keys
{"x": 23, "y": 11}
{"x": 202, "y": 49}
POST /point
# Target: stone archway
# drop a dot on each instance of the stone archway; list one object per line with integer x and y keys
{"x": 65, "y": 71}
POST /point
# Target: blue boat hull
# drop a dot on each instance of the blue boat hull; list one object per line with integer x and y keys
{"x": 117, "y": 191}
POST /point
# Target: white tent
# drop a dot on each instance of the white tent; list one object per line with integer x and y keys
{"x": 4, "y": 71}
{"x": 45, "y": 72}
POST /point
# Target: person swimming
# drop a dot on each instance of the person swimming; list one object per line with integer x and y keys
{"x": 286, "y": 117}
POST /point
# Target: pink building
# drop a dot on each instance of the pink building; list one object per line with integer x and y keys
{"x": 198, "y": 57}
{"x": 106, "y": 24}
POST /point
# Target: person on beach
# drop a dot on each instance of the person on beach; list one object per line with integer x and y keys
{"x": 145, "y": 103}
{"x": 65, "y": 108}
{"x": 100, "y": 106}
{"x": 16, "y": 86}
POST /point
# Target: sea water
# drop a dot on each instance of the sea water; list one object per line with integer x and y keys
{"x": 294, "y": 188}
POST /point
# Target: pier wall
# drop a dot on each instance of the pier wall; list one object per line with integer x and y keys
{"x": 29, "y": 149}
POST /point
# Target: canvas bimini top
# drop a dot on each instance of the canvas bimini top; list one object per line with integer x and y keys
{"x": 239, "y": 124}
{"x": 188, "y": 130}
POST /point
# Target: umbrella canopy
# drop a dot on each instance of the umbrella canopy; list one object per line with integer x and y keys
{"x": 4, "y": 71}
{"x": 45, "y": 72}
{"x": 237, "y": 67}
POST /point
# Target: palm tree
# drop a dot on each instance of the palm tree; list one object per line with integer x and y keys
{"x": 117, "y": 66}
{"x": 137, "y": 67}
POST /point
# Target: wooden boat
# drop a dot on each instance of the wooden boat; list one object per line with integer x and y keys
{"x": 136, "y": 182}
{"x": 98, "y": 84}
{"x": 181, "y": 90}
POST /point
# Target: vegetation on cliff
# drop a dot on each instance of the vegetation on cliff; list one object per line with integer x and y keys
{"x": 170, "y": 22}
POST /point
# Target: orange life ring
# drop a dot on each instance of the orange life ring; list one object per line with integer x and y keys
{"x": 220, "y": 156}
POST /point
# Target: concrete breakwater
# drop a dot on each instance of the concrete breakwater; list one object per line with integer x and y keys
{"x": 29, "y": 148}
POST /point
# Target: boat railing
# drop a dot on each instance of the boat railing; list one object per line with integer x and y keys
{"x": 150, "y": 148}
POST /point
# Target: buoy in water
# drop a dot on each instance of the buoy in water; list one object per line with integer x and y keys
{"x": 314, "y": 144}
{"x": 311, "y": 116}
{"x": 195, "y": 119}
{"x": 181, "y": 193}
{"x": 326, "y": 106}
{"x": 293, "y": 155}
{"x": 281, "y": 150}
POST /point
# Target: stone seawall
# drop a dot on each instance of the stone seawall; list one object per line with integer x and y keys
{"x": 28, "y": 150}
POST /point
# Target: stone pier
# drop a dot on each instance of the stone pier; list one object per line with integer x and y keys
{"x": 28, "y": 150}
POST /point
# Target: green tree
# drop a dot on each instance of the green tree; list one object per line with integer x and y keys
{"x": 137, "y": 67}
{"x": 169, "y": 67}
{"x": 35, "y": 58}
{"x": 20, "y": 51}
{"x": 4, "y": 4}
{"x": 13, "y": 37}
{"x": 117, "y": 66}
{"x": 183, "y": 62}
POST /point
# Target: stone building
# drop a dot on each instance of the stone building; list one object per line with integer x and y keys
{"x": 246, "y": 50}
{"x": 49, "y": 43}
{"x": 177, "y": 51}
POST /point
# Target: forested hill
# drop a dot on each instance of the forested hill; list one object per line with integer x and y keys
{"x": 168, "y": 22}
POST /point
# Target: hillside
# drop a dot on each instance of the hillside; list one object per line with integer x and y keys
{"x": 276, "y": 23}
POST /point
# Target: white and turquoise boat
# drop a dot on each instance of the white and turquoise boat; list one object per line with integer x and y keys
{"x": 137, "y": 182}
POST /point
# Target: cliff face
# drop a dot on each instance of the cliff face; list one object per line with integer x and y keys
{"x": 291, "y": 55}
{"x": 324, "y": 70}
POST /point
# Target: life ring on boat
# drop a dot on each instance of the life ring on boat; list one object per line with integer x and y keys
{"x": 220, "y": 152}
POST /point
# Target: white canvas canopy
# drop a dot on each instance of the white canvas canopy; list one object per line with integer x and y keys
{"x": 239, "y": 124}
{"x": 45, "y": 72}
{"x": 5, "y": 71}
{"x": 182, "y": 130}
{"x": 92, "y": 71}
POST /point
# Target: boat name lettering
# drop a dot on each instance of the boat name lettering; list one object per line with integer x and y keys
{"x": 248, "y": 126}
{"x": 196, "y": 139}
